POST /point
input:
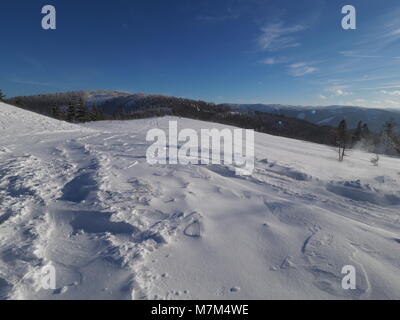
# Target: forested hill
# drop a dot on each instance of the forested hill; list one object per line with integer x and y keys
{"x": 113, "y": 105}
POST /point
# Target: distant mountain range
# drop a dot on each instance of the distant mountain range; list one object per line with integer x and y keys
{"x": 327, "y": 115}
{"x": 111, "y": 102}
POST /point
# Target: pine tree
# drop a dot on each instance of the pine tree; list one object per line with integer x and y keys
{"x": 367, "y": 139}
{"x": 365, "y": 132}
{"x": 100, "y": 115}
{"x": 81, "y": 111}
{"x": 2, "y": 96}
{"x": 95, "y": 114}
{"x": 55, "y": 112}
{"x": 357, "y": 133}
{"x": 342, "y": 138}
{"x": 389, "y": 141}
{"x": 71, "y": 113}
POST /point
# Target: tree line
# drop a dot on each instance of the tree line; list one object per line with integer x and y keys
{"x": 77, "y": 112}
{"x": 387, "y": 141}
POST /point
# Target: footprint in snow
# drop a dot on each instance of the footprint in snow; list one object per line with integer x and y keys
{"x": 194, "y": 227}
{"x": 193, "y": 230}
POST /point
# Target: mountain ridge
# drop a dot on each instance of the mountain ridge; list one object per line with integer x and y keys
{"x": 112, "y": 101}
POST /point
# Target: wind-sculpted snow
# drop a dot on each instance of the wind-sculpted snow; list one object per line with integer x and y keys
{"x": 114, "y": 227}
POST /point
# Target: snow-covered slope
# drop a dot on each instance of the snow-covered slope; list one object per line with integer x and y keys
{"x": 115, "y": 227}
{"x": 17, "y": 122}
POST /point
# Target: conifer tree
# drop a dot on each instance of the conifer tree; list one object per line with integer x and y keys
{"x": 365, "y": 132}
{"x": 55, "y": 112}
{"x": 71, "y": 113}
{"x": 357, "y": 133}
{"x": 2, "y": 95}
{"x": 94, "y": 115}
{"x": 81, "y": 111}
{"x": 390, "y": 142}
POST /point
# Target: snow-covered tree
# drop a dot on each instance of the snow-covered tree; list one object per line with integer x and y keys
{"x": 389, "y": 141}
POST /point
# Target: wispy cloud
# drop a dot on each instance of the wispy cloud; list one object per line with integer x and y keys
{"x": 391, "y": 103}
{"x": 277, "y": 36}
{"x": 355, "y": 54}
{"x": 34, "y": 83}
{"x": 37, "y": 83}
{"x": 230, "y": 15}
{"x": 335, "y": 92}
{"x": 338, "y": 91}
{"x": 391, "y": 93}
{"x": 273, "y": 60}
{"x": 301, "y": 69}
{"x": 383, "y": 32}
{"x": 360, "y": 100}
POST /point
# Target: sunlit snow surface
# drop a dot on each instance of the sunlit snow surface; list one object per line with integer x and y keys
{"x": 84, "y": 199}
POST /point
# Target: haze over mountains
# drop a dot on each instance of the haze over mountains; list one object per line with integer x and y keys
{"x": 328, "y": 115}
{"x": 112, "y": 101}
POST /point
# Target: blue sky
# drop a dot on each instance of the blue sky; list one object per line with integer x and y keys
{"x": 242, "y": 51}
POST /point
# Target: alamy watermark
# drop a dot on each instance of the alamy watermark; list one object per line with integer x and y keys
{"x": 43, "y": 278}
{"x": 49, "y": 20}
{"x": 349, "y": 280}
{"x": 48, "y": 277}
{"x": 206, "y": 148}
{"x": 349, "y": 20}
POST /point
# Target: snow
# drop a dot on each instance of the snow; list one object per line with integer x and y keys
{"x": 15, "y": 121}
{"x": 84, "y": 200}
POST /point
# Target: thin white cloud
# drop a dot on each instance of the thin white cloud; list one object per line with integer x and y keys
{"x": 338, "y": 91}
{"x": 392, "y": 93}
{"x": 301, "y": 69}
{"x": 360, "y": 100}
{"x": 384, "y": 31}
{"x": 384, "y": 86}
{"x": 392, "y": 103}
{"x": 277, "y": 36}
{"x": 273, "y": 60}
{"x": 230, "y": 15}
{"x": 269, "y": 61}
{"x": 354, "y": 54}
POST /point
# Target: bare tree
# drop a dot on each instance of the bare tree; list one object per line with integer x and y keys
{"x": 342, "y": 139}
